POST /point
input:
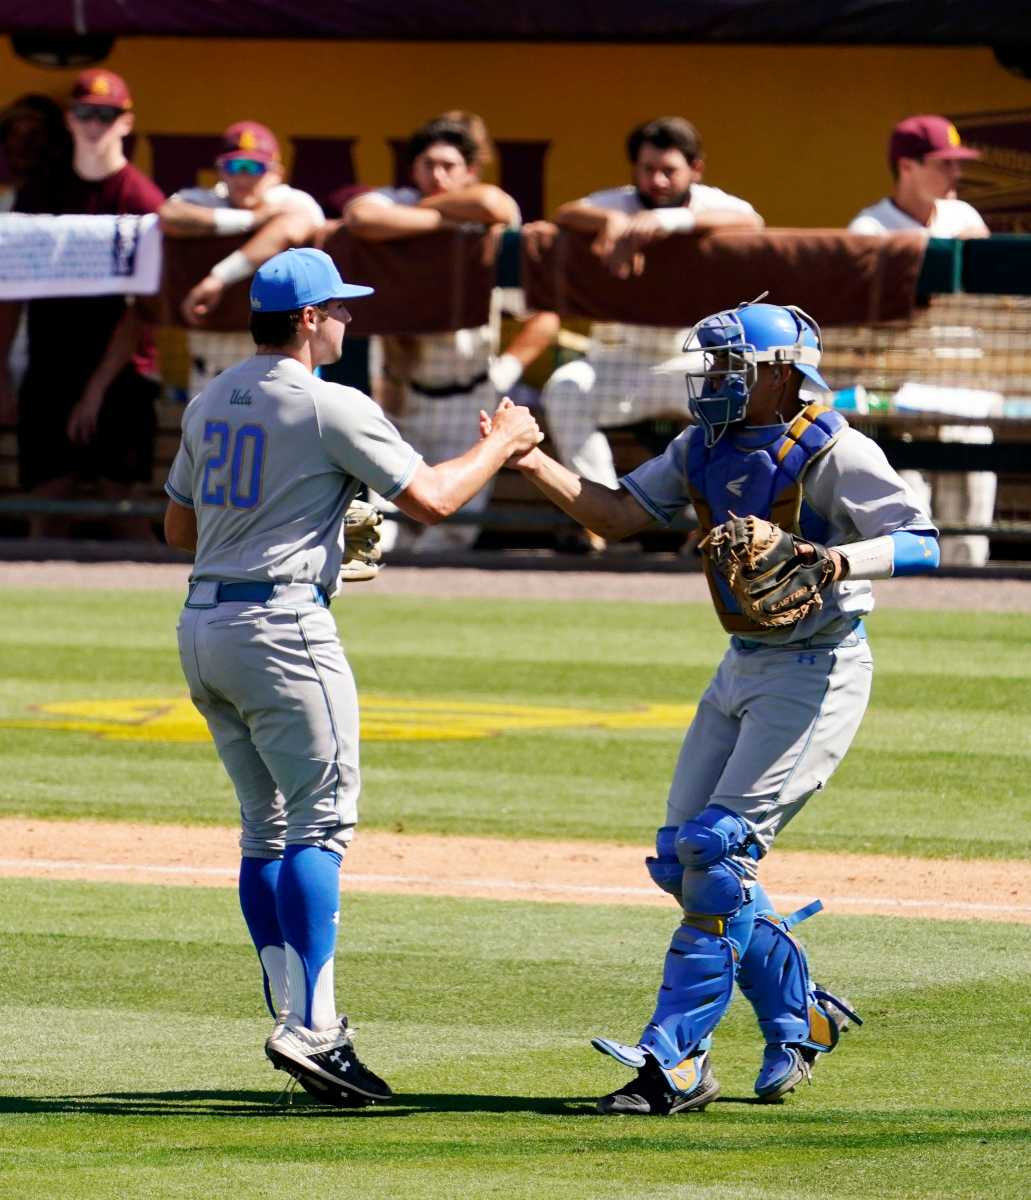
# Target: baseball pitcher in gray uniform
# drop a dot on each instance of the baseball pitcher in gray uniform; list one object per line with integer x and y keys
{"x": 785, "y": 702}
{"x": 270, "y": 459}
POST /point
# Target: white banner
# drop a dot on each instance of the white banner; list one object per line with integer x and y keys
{"x": 78, "y": 255}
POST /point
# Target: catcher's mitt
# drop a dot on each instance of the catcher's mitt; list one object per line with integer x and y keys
{"x": 361, "y": 543}
{"x": 772, "y": 582}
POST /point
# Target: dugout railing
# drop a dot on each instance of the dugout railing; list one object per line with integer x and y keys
{"x": 901, "y": 309}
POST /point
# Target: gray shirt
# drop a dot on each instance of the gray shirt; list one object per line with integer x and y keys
{"x": 852, "y": 486}
{"x": 270, "y": 458}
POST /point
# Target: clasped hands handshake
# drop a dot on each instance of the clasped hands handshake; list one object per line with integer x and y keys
{"x": 517, "y": 426}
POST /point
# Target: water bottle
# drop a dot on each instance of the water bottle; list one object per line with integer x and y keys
{"x": 858, "y": 400}
{"x": 851, "y": 399}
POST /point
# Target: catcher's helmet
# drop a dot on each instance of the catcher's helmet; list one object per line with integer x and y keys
{"x": 722, "y": 353}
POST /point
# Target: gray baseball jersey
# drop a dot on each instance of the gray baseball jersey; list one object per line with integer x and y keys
{"x": 269, "y": 459}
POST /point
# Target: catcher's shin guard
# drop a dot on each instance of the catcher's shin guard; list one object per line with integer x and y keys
{"x": 698, "y": 978}
{"x": 798, "y": 1019}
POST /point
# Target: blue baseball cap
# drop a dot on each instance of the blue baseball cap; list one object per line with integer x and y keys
{"x": 290, "y": 280}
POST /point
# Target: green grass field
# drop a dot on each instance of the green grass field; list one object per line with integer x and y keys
{"x": 944, "y": 751}
{"x": 133, "y": 1063}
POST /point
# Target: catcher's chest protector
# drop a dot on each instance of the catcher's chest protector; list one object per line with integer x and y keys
{"x": 762, "y": 481}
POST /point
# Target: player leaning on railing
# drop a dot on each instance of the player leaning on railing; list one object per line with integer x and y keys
{"x": 800, "y": 512}
{"x": 434, "y": 385}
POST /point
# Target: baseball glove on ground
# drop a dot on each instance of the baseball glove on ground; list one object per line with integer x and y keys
{"x": 772, "y": 582}
{"x": 361, "y": 543}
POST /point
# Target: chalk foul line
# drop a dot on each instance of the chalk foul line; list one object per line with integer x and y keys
{"x": 600, "y": 891}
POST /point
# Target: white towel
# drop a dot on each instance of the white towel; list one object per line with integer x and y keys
{"x": 75, "y": 255}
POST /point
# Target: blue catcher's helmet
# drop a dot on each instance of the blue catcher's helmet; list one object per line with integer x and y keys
{"x": 723, "y": 352}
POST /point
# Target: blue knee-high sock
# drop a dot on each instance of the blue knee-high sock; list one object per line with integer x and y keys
{"x": 308, "y": 905}
{"x": 259, "y": 878}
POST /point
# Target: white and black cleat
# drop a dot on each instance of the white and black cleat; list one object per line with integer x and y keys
{"x": 325, "y": 1064}
{"x": 652, "y": 1095}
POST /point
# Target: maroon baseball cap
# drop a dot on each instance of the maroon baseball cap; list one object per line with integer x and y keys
{"x": 103, "y": 88}
{"x": 927, "y": 136}
{"x": 249, "y": 139}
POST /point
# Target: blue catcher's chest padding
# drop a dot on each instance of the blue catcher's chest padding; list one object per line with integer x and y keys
{"x": 741, "y": 475}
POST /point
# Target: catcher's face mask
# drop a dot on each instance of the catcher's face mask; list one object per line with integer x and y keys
{"x": 721, "y": 357}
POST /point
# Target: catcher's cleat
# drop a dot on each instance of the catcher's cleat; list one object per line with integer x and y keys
{"x": 652, "y": 1095}
{"x": 325, "y": 1064}
{"x": 786, "y": 1065}
{"x": 783, "y": 1068}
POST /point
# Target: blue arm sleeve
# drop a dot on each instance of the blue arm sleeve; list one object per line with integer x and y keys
{"x": 914, "y": 553}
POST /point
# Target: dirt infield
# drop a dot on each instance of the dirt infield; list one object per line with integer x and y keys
{"x": 975, "y": 595}
{"x": 493, "y": 869}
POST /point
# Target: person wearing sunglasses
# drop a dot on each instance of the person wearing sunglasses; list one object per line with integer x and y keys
{"x": 86, "y": 402}
{"x": 249, "y": 197}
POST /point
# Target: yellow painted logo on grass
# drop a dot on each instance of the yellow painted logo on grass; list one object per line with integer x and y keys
{"x": 384, "y": 719}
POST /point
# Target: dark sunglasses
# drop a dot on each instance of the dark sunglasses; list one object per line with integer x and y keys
{"x": 244, "y": 166}
{"x": 107, "y": 114}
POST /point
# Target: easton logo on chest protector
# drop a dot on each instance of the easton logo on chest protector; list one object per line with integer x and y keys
{"x": 762, "y": 481}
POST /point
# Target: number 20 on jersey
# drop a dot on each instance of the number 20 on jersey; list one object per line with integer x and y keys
{"x": 234, "y": 467}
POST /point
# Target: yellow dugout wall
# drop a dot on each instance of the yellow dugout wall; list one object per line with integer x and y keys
{"x": 799, "y": 131}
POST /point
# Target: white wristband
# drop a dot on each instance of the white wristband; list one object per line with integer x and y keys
{"x": 233, "y": 268}
{"x": 872, "y": 559}
{"x": 675, "y": 220}
{"x": 232, "y": 220}
{"x": 505, "y": 372}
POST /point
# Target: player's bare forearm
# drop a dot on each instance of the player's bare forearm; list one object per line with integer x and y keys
{"x": 534, "y": 336}
{"x": 180, "y": 527}
{"x": 10, "y": 316}
{"x": 375, "y": 222}
{"x": 482, "y": 203}
{"x": 727, "y": 218}
{"x": 612, "y": 513}
{"x": 439, "y": 491}
{"x": 122, "y": 345}
{"x": 581, "y": 218}
{"x": 179, "y": 218}
{"x": 282, "y": 231}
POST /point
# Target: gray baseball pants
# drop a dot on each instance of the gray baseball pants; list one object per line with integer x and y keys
{"x": 272, "y": 682}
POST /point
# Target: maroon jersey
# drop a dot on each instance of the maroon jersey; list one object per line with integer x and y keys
{"x": 71, "y": 333}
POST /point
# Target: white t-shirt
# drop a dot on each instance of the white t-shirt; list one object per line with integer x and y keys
{"x": 950, "y": 219}
{"x": 268, "y": 459}
{"x": 280, "y": 195}
{"x": 638, "y": 347}
{"x": 701, "y": 198}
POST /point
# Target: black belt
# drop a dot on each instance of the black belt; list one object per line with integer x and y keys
{"x": 261, "y": 593}
{"x": 448, "y": 389}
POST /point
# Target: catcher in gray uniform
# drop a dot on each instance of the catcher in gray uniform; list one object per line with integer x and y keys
{"x": 800, "y": 512}
{"x": 270, "y": 459}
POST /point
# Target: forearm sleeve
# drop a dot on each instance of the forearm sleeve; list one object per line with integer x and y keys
{"x": 900, "y": 553}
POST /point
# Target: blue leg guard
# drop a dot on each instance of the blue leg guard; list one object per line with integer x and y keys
{"x": 798, "y": 1019}
{"x": 698, "y": 979}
